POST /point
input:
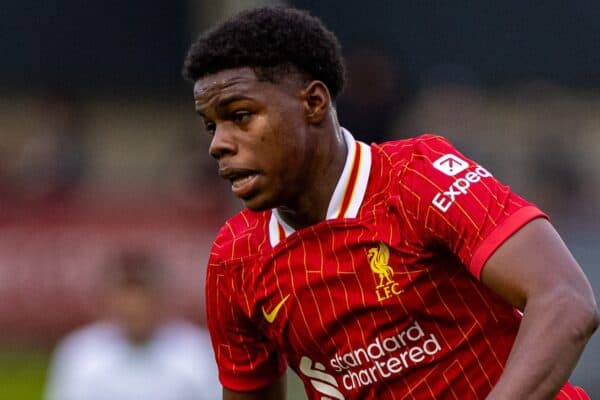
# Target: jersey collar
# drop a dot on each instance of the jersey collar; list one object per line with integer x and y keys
{"x": 348, "y": 194}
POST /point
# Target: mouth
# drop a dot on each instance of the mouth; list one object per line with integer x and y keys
{"x": 242, "y": 180}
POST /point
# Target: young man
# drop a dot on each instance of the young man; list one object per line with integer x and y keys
{"x": 388, "y": 271}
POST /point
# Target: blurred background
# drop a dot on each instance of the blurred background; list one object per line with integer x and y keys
{"x": 100, "y": 148}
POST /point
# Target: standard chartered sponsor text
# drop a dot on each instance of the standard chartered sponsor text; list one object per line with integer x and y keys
{"x": 385, "y": 357}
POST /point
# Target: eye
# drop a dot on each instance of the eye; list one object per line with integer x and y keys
{"x": 241, "y": 117}
{"x": 210, "y": 127}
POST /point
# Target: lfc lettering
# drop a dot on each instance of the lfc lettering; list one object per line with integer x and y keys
{"x": 385, "y": 292}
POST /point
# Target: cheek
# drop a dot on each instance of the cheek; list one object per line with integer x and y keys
{"x": 278, "y": 140}
{"x": 269, "y": 138}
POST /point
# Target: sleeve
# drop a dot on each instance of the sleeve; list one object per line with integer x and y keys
{"x": 570, "y": 392}
{"x": 451, "y": 200}
{"x": 188, "y": 351}
{"x": 64, "y": 381}
{"x": 246, "y": 359}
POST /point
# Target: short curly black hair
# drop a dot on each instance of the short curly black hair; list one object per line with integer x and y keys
{"x": 271, "y": 40}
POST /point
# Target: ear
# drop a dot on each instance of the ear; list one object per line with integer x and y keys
{"x": 317, "y": 101}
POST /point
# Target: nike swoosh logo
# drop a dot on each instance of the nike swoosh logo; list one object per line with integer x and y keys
{"x": 270, "y": 316}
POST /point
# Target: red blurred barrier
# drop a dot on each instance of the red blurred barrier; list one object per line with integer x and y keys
{"x": 51, "y": 258}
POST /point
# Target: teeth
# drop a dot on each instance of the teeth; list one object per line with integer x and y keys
{"x": 238, "y": 182}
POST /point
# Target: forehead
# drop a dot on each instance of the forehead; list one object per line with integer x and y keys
{"x": 224, "y": 86}
{"x": 224, "y": 81}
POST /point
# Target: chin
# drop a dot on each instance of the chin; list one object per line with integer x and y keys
{"x": 258, "y": 203}
{"x": 250, "y": 205}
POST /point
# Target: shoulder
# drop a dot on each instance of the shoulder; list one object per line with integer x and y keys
{"x": 89, "y": 342}
{"x": 404, "y": 150}
{"x": 183, "y": 344}
{"x": 184, "y": 333}
{"x": 395, "y": 158}
{"x": 242, "y": 233}
{"x": 97, "y": 332}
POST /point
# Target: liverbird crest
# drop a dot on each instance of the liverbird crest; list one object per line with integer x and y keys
{"x": 378, "y": 259}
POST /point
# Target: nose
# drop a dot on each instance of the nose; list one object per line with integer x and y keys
{"x": 222, "y": 143}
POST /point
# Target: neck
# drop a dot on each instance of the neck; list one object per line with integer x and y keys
{"x": 310, "y": 206}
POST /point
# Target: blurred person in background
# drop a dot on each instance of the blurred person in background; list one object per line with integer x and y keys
{"x": 136, "y": 352}
{"x": 396, "y": 270}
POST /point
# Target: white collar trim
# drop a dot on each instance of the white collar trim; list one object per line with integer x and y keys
{"x": 348, "y": 194}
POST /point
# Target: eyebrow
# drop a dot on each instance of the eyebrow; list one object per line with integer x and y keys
{"x": 233, "y": 98}
{"x": 225, "y": 101}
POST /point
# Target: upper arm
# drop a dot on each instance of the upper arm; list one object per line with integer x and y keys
{"x": 535, "y": 261}
{"x": 64, "y": 378}
{"x": 246, "y": 359}
{"x": 275, "y": 391}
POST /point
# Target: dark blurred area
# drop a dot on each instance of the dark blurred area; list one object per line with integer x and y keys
{"x": 100, "y": 147}
{"x": 94, "y": 46}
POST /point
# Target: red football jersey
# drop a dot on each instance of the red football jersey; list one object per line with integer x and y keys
{"x": 382, "y": 300}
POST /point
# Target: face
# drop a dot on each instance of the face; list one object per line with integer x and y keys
{"x": 261, "y": 138}
{"x": 136, "y": 311}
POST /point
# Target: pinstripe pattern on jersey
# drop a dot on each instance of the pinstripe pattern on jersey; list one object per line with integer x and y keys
{"x": 333, "y": 309}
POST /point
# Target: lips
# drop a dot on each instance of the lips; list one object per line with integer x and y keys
{"x": 242, "y": 180}
{"x": 239, "y": 182}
